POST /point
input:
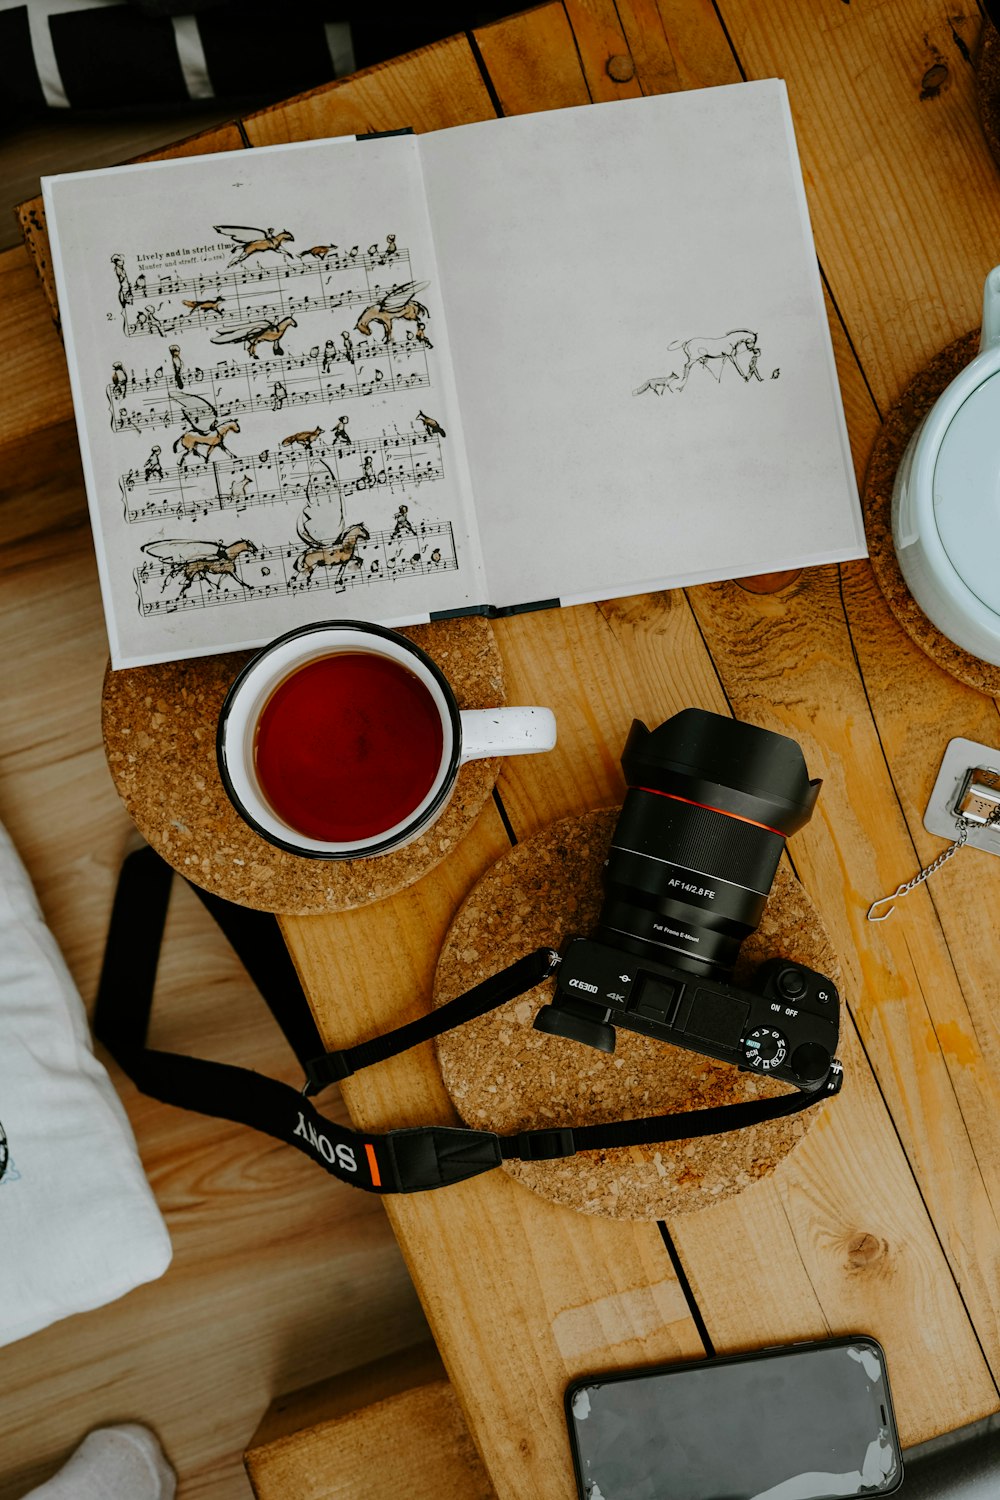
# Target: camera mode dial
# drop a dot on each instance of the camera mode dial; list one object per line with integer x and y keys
{"x": 765, "y": 1048}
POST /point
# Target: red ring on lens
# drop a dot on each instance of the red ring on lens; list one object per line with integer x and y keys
{"x": 709, "y": 808}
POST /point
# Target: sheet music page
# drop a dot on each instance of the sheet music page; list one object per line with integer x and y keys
{"x": 641, "y": 345}
{"x": 266, "y": 412}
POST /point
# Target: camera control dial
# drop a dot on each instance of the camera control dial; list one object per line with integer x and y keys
{"x": 765, "y": 1048}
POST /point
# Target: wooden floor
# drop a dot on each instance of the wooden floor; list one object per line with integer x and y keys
{"x": 281, "y": 1276}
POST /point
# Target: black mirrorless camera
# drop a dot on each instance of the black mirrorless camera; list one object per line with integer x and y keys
{"x": 694, "y": 852}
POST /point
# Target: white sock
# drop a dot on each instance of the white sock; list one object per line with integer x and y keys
{"x": 113, "y": 1463}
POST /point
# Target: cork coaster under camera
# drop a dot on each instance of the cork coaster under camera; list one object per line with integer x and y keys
{"x": 503, "y": 1075}
{"x": 902, "y": 420}
{"x": 159, "y": 727}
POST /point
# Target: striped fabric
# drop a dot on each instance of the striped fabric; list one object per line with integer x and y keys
{"x": 112, "y": 54}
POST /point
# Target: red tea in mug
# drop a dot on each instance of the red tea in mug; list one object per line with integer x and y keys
{"x": 348, "y": 746}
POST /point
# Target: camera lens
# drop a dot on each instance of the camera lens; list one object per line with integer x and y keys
{"x": 710, "y": 803}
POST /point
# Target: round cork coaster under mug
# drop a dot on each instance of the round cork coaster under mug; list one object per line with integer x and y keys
{"x": 987, "y": 74}
{"x": 504, "y": 1076}
{"x": 159, "y": 725}
{"x": 901, "y": 422}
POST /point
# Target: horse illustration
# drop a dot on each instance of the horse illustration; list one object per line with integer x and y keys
{"x": 255, "y": 241}
{"x": 339, "y": 554}
{"x": 399, "y": 302}
{"x": 712, "y": 354}
{"x": 195, "y": 561}
{"x": 264, "y": 331}
{"x": 191, "y": 441}
{"x": 205, "y": 431}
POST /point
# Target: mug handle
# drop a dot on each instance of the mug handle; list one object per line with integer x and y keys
{"x": 990, "y": 336}
{"x": 506, "y": 731}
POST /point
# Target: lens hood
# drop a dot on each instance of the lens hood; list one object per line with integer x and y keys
{"x": 723, "y": 764}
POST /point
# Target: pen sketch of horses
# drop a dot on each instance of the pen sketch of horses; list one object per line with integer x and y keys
{"x": 255, "y": 241}
{"x": 205, "y": 431}
{"x": 339, "y": 553}
{"x": 738, "y": 348}
{"x": 196, "y": 561}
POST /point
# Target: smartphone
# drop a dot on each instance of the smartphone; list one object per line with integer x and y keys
{"x": 807, "y": 1422}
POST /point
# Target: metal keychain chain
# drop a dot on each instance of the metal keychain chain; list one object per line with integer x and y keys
{"x": 964, "y": 826}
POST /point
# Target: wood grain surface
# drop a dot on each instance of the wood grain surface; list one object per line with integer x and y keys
{"x": 391, "y": 1428}
{"x": 837, "y": 1246}
{"x": 884, "y": 1220}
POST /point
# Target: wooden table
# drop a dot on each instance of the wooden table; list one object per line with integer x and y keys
{"x": 885, "y": 1219}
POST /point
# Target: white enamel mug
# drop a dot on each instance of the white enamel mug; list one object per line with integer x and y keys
{"x": 466, "y": 734}
{"x": 946, "y": 500}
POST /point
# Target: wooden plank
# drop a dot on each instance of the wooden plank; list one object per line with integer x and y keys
{"x": 291, "y": 1414}
{"x": 393, "y": 1427}
{"x": 532, "y": 61}
{"x": 36, "y": 392}
{"x": 677, "y": 44}
{"x": 900, "y": 182}
{"x": 607, "y": 64}
{"x": 415, "y": 1444}
{"x": 429, "y": 89}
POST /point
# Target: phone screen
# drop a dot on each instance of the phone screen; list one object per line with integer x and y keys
{"x": 811, "y": 1422}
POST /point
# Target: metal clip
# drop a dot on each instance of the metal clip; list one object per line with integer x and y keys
{"x": 978, "y": 800}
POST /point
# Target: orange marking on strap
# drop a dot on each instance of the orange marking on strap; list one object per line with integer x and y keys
{"x": 373, "y": 1165}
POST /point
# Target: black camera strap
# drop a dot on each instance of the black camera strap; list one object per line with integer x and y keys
{"x": 396, "y": 1161}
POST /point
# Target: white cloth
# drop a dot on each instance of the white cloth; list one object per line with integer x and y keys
{"x": 79, "y": 1225}
{"x": 113, "y": 1463}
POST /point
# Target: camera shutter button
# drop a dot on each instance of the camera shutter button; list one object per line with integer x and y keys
{"x": 791, "y": 984}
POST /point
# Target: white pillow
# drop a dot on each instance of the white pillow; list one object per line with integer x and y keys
{"x": 78, "y": 1223}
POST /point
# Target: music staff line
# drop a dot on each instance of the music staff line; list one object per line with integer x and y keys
{"x": 392, "y": 462}
{"x": 241, "y": 286}
{"x": 414, "y": 553}
{"x": 282, "y": 382}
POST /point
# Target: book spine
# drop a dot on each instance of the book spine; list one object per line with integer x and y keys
{"x": 495, "y": 611}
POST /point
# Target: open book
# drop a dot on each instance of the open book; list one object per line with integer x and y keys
{"x": 539, "y": 360}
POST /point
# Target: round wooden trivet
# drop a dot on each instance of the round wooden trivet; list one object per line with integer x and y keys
{"x": 503, "y": 1075}
{"x": 902, "y": 420}
{"x": 159, "y": 727}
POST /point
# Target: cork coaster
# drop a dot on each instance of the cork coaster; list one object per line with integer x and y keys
{"x": 987, "y": 67}
{"x": 502, "y": 1075}
{"x": 902, "y": 420}
{"x": 159, "y": 726}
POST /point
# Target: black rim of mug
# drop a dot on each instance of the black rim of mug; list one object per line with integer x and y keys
{"x": 384, "y": 846}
